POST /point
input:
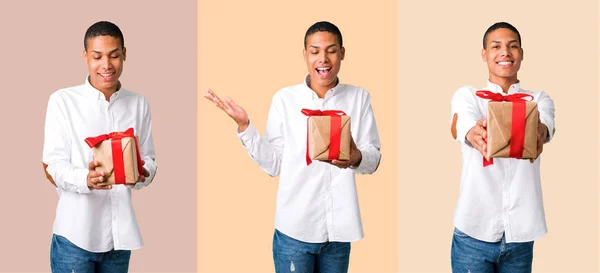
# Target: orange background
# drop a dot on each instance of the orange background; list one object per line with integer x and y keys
{"x": 248, "y": 52}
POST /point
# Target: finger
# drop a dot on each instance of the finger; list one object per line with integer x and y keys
{"x": 484, "y": 123}
{"x": 103, "y": 187}
{"x": 92, "y": 165}
{"x": 341, "y": 163}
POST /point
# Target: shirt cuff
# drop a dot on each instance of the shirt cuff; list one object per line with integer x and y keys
{"x": 81, "y": 180}
{"x": 462, "y": 128}
{"x": 247, "y": 135}
{"x": 550, "y": 126}
{"x": 369, "y": 162}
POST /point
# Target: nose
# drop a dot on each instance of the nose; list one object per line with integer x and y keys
{"x": 505, "y": 51}
{"x": 323, "y": 57}
{"x": 105, "y": 63}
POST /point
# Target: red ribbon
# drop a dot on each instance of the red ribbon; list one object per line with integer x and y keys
{"x": 335, "y": 131}
{"x": 519, "y": 116}
{"x": 117, "y": 152}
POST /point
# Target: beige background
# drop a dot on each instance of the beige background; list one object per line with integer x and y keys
{"x": 440, "y": 52}
{"x": 41, "y": 48}
{"x": 251, "y": 50}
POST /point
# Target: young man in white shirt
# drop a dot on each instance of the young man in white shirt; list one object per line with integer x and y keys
{"x": 95, "y": 227}
{"x": 317, "y": 214}
{"x": 500, "y": 211}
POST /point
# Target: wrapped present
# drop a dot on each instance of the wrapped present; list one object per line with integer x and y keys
{"x": 327, "y": 136}
{"x": 119, "y": 157}
{"x": 512, "y": 124}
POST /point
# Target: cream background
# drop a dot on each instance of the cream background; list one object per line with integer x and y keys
{"x": 440, "y": 45}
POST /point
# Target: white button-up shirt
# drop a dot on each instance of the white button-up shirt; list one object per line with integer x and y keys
{"x": 319, "y": 202}
{"x": 505, "y": 197}
{"x": 94, "y": 220}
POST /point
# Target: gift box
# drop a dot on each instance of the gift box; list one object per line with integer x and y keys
{"x": 119, "y": 157}
{"x": 512, "y": 124}
{"x": 328, "y": 135}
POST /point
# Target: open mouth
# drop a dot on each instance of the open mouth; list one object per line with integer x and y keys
{"x": 324, "y": 71}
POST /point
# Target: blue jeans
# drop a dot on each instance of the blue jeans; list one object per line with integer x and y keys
{"x": 291, "y": 255}
{"x": 470, "y": 255}
{"x": 67, "y": 257}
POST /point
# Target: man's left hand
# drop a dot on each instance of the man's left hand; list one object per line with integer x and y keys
{"x": 142, "y": 178}
{"x": 355, "y": 158}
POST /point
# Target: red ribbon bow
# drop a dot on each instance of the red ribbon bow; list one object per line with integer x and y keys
{"x": 335, "y": 131}
{"x": 117, "y": 152}
{"x": 517, "y": 130}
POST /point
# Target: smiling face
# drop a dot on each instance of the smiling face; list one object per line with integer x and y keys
{"x": 503, "y": 55}
{"x": 104, "y": 57}
{"x": 323, "y": 55}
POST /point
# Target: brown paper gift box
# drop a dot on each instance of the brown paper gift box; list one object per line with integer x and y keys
{"x": 499, "y": 123}
{"x": 103, "y": 153}
{"x": 318, "y": 139}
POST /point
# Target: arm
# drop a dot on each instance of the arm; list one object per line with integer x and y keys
{"x": 546, "y": 109}
{"x": 266, "y": 151}
{"x": 367, "y": 140}
{"x": 464, "y": 109}
{"x": 57, "y": 151}
{"x": 146, "y": 145}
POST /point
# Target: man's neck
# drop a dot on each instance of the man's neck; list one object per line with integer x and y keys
{"x": 108, "y": 93}
{"x": 321, "y": 90}
{"x": 504, "y": 83}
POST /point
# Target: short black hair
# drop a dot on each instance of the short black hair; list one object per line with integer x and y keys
{"x": 103, "y": 28}
{"x": 500, "y": 25}
{"x": 323, "y": 26}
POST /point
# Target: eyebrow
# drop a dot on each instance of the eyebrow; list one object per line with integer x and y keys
{"x": 498, "y": 42}
{"x": 331, "y": 45}
{"x": 110, "y": 52}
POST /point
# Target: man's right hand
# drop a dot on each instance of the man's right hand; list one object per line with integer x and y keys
{"x": 477, "y": 136}
{"x": 96, "y": 177}
{"x": 236, "y": 112}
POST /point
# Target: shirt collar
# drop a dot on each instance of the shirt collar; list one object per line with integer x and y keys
{"x": 92, "y": 92}
{"x": 514, "y": 88}
{"x": 338, "y": 87}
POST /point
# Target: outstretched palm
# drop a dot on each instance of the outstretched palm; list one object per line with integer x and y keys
{"x": 236, "y": 112}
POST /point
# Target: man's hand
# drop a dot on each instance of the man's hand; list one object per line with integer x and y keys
{"x": 237, "y": 113}
{"x": 96, "y": 178}
{"x": 477, "y": 136}
{"x": 355, "y": 158}
{"x": 142, "y": 178}
{"x": 542, "y": 134}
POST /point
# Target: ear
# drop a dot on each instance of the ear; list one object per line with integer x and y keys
{"x": 483, "y": 51}
{"x": 343, "y": 51}
{"x": 84, "y": 56}
{"x": 124, "y": 53}
{"x": 304, "y": 53}
{"x": 522, "y": 54}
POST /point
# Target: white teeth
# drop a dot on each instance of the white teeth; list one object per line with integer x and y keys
{"x": 504, "y": 63}
{"x": 323, "y": 68}
{"x": 106, "y": 75}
